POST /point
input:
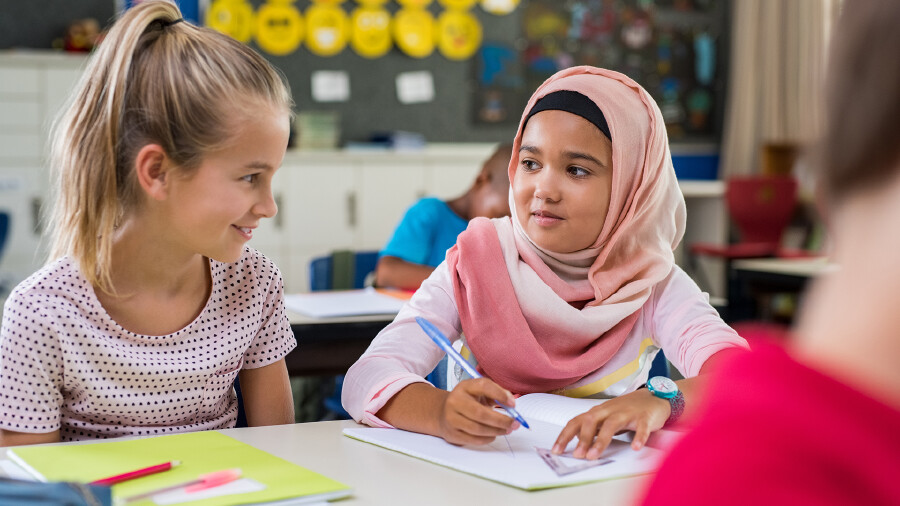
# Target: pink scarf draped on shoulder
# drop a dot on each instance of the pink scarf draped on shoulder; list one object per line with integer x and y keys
{"x": 514, "y": 298}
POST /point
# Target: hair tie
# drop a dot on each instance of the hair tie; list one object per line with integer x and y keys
{"x": 159, "y": 24}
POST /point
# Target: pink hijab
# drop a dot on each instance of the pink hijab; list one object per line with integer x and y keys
{"x": 514, "y": 297}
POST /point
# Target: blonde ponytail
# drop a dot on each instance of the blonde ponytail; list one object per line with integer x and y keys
{"x": 152, "y": 80}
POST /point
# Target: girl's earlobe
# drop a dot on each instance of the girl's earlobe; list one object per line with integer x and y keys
{"x": 152, "y": 167}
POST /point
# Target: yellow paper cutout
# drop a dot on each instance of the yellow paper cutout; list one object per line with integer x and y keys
{"x": 414, "y": 32}
{"x": 327, "y": 29}
{"x": 370, "y": 34}
{"x": 413, "y": 3}
{"x": 231, "y": 17}
{"x": 328, "y": 2}
{"x": 279, "y": 27}
{"x": 371, "y": 3}
{"x": 457, "y": 4}
{"x": 459, "y": 34}
{"x": 499, "y": 7}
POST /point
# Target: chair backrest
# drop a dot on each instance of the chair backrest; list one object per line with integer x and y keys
{"x": 4, "y": 231}
{"x": 761, "y": 206}
{"x": 341, "y": 270}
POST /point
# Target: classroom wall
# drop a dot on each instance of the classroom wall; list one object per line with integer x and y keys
{"x": 373, "y": 105}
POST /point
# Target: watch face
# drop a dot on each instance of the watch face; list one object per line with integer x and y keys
{"x": 663, "y": 385}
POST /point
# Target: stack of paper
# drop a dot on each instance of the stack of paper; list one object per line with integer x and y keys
{"x": 368, "y": 301}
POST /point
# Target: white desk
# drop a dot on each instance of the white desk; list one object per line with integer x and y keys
{"x": 757, "y": 279}
{"x": 800, "y": 267}
{"x": 383, "y": 477}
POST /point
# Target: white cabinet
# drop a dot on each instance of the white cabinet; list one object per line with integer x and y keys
{"x": 33, "y": 86}
{"x": 330, "y": 200}
{"x": 387, "y": 189}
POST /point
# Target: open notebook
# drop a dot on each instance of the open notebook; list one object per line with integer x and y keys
{"x": 264, "y": 477}
{"x": 514, "y": 460}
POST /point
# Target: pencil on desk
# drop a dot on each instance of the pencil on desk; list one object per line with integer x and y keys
{"x": 137, "y": 473}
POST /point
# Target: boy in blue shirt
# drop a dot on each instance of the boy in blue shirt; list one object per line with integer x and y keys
{"x": 429, "y": 228}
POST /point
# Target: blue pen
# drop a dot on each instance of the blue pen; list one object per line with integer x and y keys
{"x": 441, "y": 340}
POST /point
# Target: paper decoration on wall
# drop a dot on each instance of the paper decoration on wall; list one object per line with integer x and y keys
{"x": 457, "y": 4}
{"x": 279, "y": 27}
{"x": 414, "y": 32}
{"x": 327, "y": 29}
{"x": 231, "y": 17}
{"x": 458, "y": 34}
{"x": 705, "y": 58}
{"x": 370, "y": 34}
{"x": 499, "y": 7}
{"x": 699, "y": 103}
{"x": 330, "y": 86}
{"x": 415, "y": 87}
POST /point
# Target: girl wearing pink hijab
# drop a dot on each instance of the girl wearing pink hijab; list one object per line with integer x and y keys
{"x": 574, "y": 294}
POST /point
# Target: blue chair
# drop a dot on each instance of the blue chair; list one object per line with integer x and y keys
{"x": 242, "y": 416}
{"x": 4, "y": 231}
{"x": 660, "y": 366}
{"x": 341, "y": 270}
{"x": 4, "y": 234}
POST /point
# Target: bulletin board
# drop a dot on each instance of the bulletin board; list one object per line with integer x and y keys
{"x": 676, "y": 49}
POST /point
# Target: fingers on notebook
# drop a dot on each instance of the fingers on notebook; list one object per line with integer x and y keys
{"x": 594, "y": 430}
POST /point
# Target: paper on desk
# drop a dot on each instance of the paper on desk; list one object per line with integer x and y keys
{"x": 241, "y": 486}
{"x": 10, "y": 469}
{"x": 367, "y": 301}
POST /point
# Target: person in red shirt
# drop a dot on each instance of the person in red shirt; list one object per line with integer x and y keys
{"x": 818, "y": 421}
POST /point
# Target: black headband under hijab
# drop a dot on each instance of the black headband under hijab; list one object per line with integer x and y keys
{"x": 573, "y": 102}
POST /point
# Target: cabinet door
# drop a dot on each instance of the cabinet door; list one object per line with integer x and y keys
{"x": 20, "y": 115}
{"x": 388, "y": 188}
{"x": 58, "y": 84}
{"x": 269, "y": 236}
{"x": 451, "y": 177}
{"x": 23, "y": 251}
{"x": 318, "y": 204}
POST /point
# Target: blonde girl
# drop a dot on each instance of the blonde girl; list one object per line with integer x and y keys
{"x": 574, "y": 294}
{"x": 152, "y": 304}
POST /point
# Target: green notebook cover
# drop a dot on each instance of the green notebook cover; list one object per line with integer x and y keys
{"x": 199, "y": 453}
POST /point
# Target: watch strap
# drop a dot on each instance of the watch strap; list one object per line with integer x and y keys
{"x": 677, "y": 404}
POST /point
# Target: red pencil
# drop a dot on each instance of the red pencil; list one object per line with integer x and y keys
{"x": 158, "y": 468}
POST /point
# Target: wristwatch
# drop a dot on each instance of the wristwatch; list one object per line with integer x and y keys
{"x": 665, "y": 388}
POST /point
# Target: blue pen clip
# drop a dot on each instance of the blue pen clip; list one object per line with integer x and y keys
{"x": 441, "y": 340}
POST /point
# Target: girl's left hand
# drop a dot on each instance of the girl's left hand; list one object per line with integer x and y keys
{"x": 639, "y": 411}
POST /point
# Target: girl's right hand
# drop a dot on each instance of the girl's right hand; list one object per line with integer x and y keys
{"x": 468, "y": 415}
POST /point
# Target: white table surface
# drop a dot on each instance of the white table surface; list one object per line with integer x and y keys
{"x": 383, "y": 477}
{"x": 805, "y": 267}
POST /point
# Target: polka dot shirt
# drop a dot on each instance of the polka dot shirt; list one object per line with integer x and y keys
{"x": 66, "y": 364}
